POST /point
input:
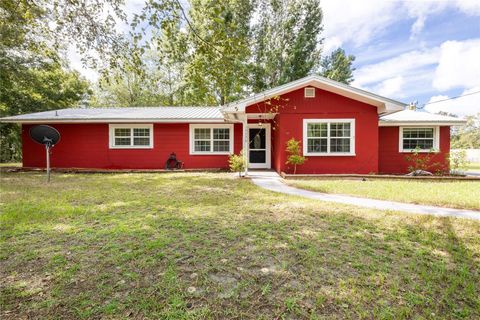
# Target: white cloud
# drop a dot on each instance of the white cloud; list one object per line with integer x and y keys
{"x": 357, "y": 22}
{"x": 405, "y": 64}
{"x": 391, "y": 87}
{"x": 459, "y": 65}
{"x": 462, "y": 106}
{"x": 331, "y": 44}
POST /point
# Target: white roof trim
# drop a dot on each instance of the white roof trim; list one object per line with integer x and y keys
{"x": 106, "y": 120}
{"x": 420, "y": 123}
{"x": 384, "y": 105}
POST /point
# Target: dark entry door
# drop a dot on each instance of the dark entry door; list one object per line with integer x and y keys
{"x": 259, "y": 145}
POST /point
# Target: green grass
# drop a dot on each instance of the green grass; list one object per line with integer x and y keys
{"x": 10, "y": 164}
{"x": 455, "y": 194}
{"x": 473, "y": 166}
{"x": 207, "y": 246}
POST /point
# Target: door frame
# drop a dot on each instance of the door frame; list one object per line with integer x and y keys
{"x": 268, "y": 147}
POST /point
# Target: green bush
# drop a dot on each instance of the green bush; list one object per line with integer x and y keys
{"x": 295, "y": 155}
{"x": 237, "y": 163}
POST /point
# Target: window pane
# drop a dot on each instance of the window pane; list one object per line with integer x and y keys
{"x": 122, "y": 141}
{"x": 221, "y": 145}
{"x": 141, "y": 132}
{"x": 141, "y": 141}
{"x": 340, "y": 145}
{"x": 202, "y": 146}
{"x": 221, "y": 134}
{"x": 202, "y": 133}
{"x": 258, "y": 156}
{"x": 257, "y": 138}
{"x": 122, "y": 132}
{"x": 317, "y": 145}
{"x": 340, "y": 129}
{"x": 418, "y": 133}
{"x": 424, "y": 144}
{"x": 316, "y": 130}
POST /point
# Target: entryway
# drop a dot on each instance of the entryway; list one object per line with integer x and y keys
{"x": 259, "y": 150}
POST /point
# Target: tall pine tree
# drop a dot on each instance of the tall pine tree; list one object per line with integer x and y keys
{"x": 338, "y": 66}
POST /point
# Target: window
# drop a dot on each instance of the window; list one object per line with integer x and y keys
{"x": 131, "y": 136}
{"x": 335, "y": 137}
{"x": 211, "y": 139}
{"x": 309, "y": 92}
{"x": 425, "y": 139}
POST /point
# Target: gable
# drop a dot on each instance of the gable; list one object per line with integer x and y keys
{"x": 322, "y": 102}
{"x": 383, "y": 105}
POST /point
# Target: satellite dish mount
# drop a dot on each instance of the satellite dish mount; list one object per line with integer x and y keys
{"x": 49, "y": 137}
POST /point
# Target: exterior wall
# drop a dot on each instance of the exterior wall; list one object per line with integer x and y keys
{"x": 393, "y": 161}
{"x": 292, "y": 108}
{"x": 87, "y": 146}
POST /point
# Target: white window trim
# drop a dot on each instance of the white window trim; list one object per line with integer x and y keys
{"x": 306, "y": 89}
{"x": 328, "y": 153}
{"x": 111, "y": 130}
{"x": 211, "y": 126}
{"x": 436, "y": 139}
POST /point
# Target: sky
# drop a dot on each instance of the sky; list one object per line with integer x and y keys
{"x": 413, "y": 51}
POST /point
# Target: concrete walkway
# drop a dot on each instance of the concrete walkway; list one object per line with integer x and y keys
{"x": 272, "y": 181}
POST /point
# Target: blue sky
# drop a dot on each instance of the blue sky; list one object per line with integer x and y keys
{"x": 417, "y": 50}
{"x": 421, "y": 51}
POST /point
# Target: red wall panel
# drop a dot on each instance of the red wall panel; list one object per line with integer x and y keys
{"x": 391, "y": 160}
{"x": 87, "y": 146}
{"x": 292, "y": 108}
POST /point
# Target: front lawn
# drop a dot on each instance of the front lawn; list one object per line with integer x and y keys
{"x": 207, "y": 246}
{"x": 473, "y": 166}
{"x": 455, "y": 194}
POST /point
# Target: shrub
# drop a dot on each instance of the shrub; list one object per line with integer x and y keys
{"x": 295, "y": 156}
{"x": 458, "y": 161}
{"x": 237, "y": 163}
{"x": 423, "y": 161}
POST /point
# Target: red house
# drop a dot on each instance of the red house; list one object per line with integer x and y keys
{"x": 342, "y": 130}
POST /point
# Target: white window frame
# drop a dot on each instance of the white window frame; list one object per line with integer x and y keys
{"x": 211, "y": 127}
{"x": 112, "y": 128}
{"x": 329, "y": 153}
{"x": 436, "y": 139}
{"x": 306, "y": 89}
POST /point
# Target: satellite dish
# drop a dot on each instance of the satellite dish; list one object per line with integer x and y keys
{"x": 48, "y": 136}
{"x": 45, "y": 135}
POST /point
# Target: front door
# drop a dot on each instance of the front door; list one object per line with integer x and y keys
{"x": 259, "y": 146}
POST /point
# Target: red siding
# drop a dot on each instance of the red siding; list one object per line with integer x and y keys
{"x": 87, "y": 146}
{"x": 393, "y": 161}
{"x": 292, "y": 108}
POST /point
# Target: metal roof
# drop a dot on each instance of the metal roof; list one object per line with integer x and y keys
{"x": 418, "y": 117}
{"x": 150, "y": 114}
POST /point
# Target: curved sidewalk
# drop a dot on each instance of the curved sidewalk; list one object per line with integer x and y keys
{"x": 273, "y": 183}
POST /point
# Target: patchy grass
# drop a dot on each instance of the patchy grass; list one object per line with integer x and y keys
{"x": 455, "y": 194}
{"x": 10, "y": 164}
{"x": 473, "y": 166}
{"x": 207, "y": 246}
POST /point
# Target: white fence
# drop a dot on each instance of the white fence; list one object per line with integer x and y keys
{"x": 473, "y": 155}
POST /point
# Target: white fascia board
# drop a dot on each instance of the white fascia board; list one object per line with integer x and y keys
{"x": 419, "y": 123}
{"x": 80, "y": 121}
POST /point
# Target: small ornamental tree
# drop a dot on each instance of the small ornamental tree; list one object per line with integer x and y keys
{"x": 237, "y": 163}
{"x": 419, "y": 161}
{"x": 294, "y": 154}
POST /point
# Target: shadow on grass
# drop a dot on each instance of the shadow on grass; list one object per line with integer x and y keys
{"x": 210, "y": 247}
